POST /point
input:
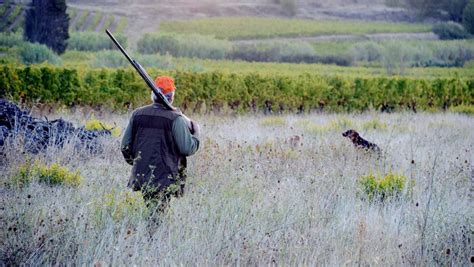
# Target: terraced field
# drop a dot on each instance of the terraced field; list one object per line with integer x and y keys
{"x": 235, "y": 28}
{"x": 12, "y": 19}
{"x": 87, "y": 20}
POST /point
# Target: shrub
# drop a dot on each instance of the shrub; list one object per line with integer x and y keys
{"x": 180, "y": 45}
{"x": 464, "y": 109}
{"x": 468, "y": 17}
{"x": 288, "y": 6}
{"x": 95, "y": 124}
{"x": 93, "y": 41}
{"x": 450, "y": 31}
{"x": 367, "y": 51}
{"x": 10, "y": 40}
{"x": 242, "y": 92}
{"x": 118, "y": 206}
{"x": 381, "y": 188}
{"x": 109, "y": 59}
{"x": 273, "y": 121}
{"x": 52, "y": 175}
{"x": 275, "y": 52}
{"x": 374, "y": 124}
{"x": 37, "y": 53}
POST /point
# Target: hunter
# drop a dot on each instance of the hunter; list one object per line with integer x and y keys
{"x": 156, "y": 143}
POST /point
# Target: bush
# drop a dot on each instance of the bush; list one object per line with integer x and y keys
{"x": 95, "y": 124}
{"x": 464, "y": 109}
{"x": 51, "y": 175}
{"x": 120, "y": 206}
{"x": 273, "y": 121}
{"x": 10, "y": 40}
{"x": 468, "y": 17}
{"x": 288, "y": 6}
{"x": 242, "y": 92}
{"x": 37, "y": 53}
{"x": 380, "y": 188}
{"x": 180, "y": 45}
{"x": 450, "y": 31}
{"x": 275, "y": 52}
{"x": 93, "y": 41}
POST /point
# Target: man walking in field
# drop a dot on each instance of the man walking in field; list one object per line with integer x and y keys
{"x": 157, "y": 142}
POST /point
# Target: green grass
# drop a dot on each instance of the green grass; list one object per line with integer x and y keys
{"x": 72, "y": 14}
{"x": 95, "y": 21}
{"x": 253, "y": 27}
{"x": 107, "y": 23}
{"x": 332, "y": 48}
{"x": 14, "y": 14}
{"x": 121, "y": 25}
{"x": 3, "y": 9}
{"x": 75, "y": 58}
{"x": 80, "y": 22}
{"x": 344, "y": 47}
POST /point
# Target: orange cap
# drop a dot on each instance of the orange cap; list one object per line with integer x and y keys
{"x": 165, "y": 83}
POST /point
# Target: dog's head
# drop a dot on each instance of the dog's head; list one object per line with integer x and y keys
{"x": 351, "y": 134}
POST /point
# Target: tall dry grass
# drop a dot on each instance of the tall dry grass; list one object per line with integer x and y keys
{"x": 254, "y": 198}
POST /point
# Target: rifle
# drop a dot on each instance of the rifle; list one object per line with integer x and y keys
{"x": 161, "y": 98}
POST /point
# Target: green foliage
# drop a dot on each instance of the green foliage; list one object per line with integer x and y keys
{"x": 81, "y": 21}
{"x": 241, "y": 92}
{"x": 396, "y": 56}
{"x": 468, "y": 17}
{"x": 450, "y": 31}
{"x": 179, "y": 45}
{"x": 10, "y": 39}
{"x": 289, "y": 6}
{"x": 119, "y": 206}
{"x": 380, "y": 188}
{"x": 95, "y": 21}
{"x": 374, "y": 124}
{"x": 255, "y": 27}
{"x": 464, "y": 109}
{"x": 93, "y": 41}
{"x": 122, "y": 23}
{"x": 37, "y": 53}
{"x": 108, "y": 22}
{"x": 95, "y": 124}
{"x": 52, "y": 175}
{"x": 273, "y": 121}
{"x": 275, "y": 52}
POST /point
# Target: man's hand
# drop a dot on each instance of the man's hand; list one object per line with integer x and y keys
{"x": 195, "y": 129}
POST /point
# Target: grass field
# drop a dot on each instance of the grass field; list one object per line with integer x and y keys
{"x": 91, "y": 59}
{"x": 253, "y": 27}
{"x": 252, "y": 198}
{"x": 344, "y": 47}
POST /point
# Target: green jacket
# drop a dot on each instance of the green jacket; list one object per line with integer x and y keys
{"x": 156, "y": 143}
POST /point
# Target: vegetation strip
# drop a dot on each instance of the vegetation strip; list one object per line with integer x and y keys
{"x": 252, "y": 27}
{"x": 239, "y": 92}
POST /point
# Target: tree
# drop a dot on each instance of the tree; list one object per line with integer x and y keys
{"x": 47, "y": 22}
{"x": 444, "y": 9}
{"x": 468, "y": 17}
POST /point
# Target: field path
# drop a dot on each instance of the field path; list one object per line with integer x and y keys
{"x": 348, "y": 37}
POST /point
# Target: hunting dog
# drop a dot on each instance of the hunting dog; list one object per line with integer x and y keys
{"x": 360, "y": 142}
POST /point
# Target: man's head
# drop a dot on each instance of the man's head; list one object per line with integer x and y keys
{"x": 166, "y": 85}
